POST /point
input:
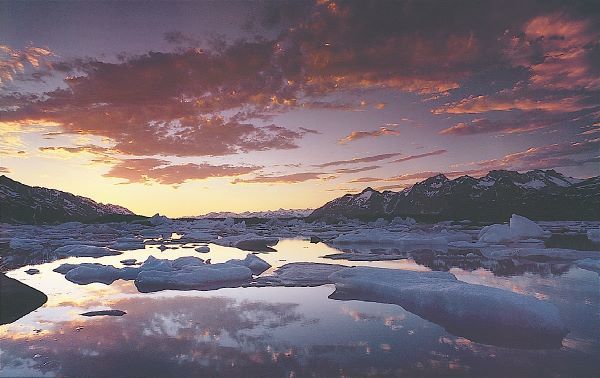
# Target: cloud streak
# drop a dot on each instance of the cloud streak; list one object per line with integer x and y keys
{"x": 369, "y": 134}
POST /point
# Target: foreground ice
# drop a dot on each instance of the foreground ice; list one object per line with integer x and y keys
{"x": 481, "y": 313}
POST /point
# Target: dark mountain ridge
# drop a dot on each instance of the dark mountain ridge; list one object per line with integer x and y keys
{"x": 537, "y": 194}
{"x": 20, "y": 203}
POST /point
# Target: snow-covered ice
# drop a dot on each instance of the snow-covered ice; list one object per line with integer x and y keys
{"x": 481, "y": 313}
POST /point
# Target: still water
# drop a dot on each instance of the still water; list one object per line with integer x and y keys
{"x": 281, "y": 331}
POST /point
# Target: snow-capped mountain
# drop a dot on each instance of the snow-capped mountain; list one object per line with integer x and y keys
{"x": 535, "y": 194}
{"x": 281, "y": 213}
{"x": 20, "y": 203}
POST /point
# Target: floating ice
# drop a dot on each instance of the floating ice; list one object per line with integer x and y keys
{"x": 589, "y": 264}
{"x": 193, "y": 277}
{"x": 480, "y": 313}
{"x": 519, "y": 228}
{"x": 302, "y": 274}
{"x": 594, "y": 235}
{"x": 380, "y": 236}
{"x": 539, "y": 253}
{"x": 81, "y": 250}
{"x": 248, "y": 242}
{"x": 255, "y": 263}
{"x": 524, "y": 228}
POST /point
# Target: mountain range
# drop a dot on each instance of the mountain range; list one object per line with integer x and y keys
{"x": 537, "y": 194}
{"x": 20, "y": 203}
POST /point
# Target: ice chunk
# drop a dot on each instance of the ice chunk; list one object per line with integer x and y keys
{"x": 127, "y": 244}
{"x": 594, "y": 235}
{"x": 519, "y": 228}
{"x": 379, "y": 236}
{"x": 87, "y": 273}
{"x": 480, "y": 313}
{"x": 31, "y": 245}
{"x": 152, "y": 263}
{"x": 524, "y": 228}
{"x": 539, "y": 253}
{"x": 248, "y": 242}
{"x": 255, "y": 263}
{"x": 589, "y": 264}
{"x": 185, "y": 261}
{"x": 305, "y": 274}
{"x": 81, "y": 250}
{"x": 193, "y": 277}
{"x": 496, "y": 233}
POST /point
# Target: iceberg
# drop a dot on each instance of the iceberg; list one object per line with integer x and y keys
{"x": 480, "y": 313}
{"x": 518, "y": 228}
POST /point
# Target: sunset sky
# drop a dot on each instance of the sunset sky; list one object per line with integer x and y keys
{"x": 186, "y": 108}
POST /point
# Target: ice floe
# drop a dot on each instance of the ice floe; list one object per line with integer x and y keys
{"x": 481, "y": 313}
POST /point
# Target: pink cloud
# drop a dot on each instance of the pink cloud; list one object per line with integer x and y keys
{"x": 161, "y": 171}
{"x": 369, "y": 134}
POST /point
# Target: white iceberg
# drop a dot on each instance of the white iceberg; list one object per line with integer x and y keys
{"x": 518, "y": 228}
{"x": 481, "y": 313}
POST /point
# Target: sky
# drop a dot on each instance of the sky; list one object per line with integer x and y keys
{"x": 184, "y": 108}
